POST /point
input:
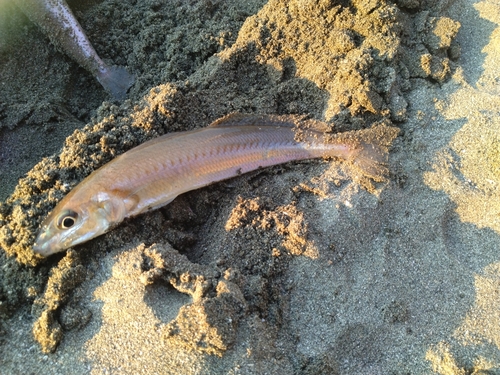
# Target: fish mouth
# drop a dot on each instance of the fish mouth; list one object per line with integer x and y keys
{"x": 48, "y": 243}
{"x": 44, "y": 245}
{"x": 41, "y": 249}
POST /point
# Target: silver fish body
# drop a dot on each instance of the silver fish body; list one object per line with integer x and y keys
{"x": 154, "y": 173}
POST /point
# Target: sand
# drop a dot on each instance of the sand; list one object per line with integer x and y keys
{"x": 295, "y": 269}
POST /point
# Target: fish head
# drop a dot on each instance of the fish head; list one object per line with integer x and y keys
{"x": 72, "y": 223}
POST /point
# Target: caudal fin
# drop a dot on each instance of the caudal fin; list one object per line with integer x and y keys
{"x": 369, "y": 151}
{"x": 116, "y": 80}
{"x": 371, "y": 160}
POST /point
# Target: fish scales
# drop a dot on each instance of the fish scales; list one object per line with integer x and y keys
{"x": 164, "y": 170}
{"x": 154, "y": 173}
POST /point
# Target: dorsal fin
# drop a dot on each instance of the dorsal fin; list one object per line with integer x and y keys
{"x": 243, "y": 119}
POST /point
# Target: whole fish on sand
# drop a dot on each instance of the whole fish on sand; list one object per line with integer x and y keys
{"x": 153, "y": 174}
{"x": 57, "y": 21}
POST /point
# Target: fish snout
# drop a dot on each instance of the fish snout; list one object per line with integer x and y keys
{"x": 45, "y": 243}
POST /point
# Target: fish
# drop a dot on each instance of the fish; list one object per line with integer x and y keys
{"x": 57, "y": 21}
{"x": 152, "y": 174}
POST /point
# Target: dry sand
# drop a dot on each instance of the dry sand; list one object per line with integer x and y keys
{"x": 294, "y": 269}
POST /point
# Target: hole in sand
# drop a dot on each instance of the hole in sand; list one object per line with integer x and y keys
{"x": 165, "y": 300}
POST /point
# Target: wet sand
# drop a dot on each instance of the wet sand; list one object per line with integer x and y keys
{"x": 296, "y": 269}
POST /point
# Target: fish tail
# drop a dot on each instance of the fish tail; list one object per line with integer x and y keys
{"x": 371, "y": 160}
{"x": 368, "y": 150}
{"x": 116, "y": 80}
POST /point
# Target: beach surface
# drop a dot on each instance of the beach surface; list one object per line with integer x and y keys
{"x": 295, "y": 269}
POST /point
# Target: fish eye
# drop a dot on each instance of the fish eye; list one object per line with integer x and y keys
{"x": 67, "y": 219}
